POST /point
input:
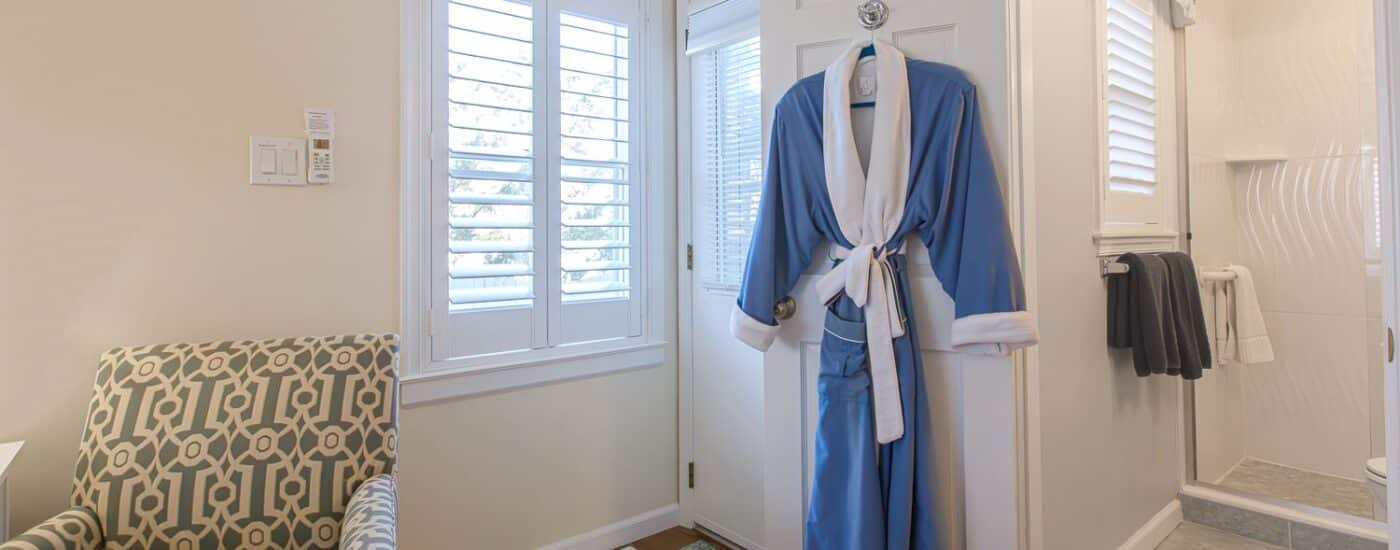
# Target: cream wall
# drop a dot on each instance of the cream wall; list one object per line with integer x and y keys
{"x": 1111, "y": 451}
{"x": 127, "y": 218}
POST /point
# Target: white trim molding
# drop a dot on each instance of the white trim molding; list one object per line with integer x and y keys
{"x": 1021, "y": 197}
{"x": 1156, "y": 529}
{"x": 623, "y": 532}
{"x": 415, "y": 148}
{"x": 1115, "y": 244}
{"x": 550, "y": 365}
{"x": 1387, "y": 37}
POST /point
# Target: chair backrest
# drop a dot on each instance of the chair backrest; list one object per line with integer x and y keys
{"x": 237, "y": 444}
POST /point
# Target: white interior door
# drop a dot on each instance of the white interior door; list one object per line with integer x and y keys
{"x": 970, "y": 397}
{"x": 724, "y": 491}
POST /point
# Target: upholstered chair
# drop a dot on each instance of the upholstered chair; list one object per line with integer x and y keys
{"x": 254, "y": 444}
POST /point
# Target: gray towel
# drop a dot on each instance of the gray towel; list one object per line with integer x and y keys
{"x": 1189, "y": 318}
{"x": 1140, "y": 315}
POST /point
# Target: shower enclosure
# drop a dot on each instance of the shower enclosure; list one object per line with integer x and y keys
{"x": 1283, "y": 179}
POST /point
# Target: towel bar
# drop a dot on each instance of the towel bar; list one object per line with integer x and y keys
{"x": 1110, "y": 267}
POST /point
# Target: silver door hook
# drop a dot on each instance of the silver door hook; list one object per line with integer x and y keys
{"x": 873, "y": 14}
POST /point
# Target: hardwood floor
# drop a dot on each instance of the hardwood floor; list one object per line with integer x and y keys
{"x": 671, "y": 539}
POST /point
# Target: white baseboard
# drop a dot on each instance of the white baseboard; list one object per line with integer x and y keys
{"x": 628, "y": 530}
{"x": 1156, "y": 529}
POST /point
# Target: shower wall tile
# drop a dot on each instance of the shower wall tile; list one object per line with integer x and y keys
{"x": 1298, "y": 96}
{"x": 1309, "y": 408}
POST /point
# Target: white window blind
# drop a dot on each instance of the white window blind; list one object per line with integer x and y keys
{"x": 731, "y": 158}
{"x": 537, "y": 222}
{"x": 1131, "y": 97}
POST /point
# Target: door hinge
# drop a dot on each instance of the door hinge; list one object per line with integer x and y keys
{"x": 690, "y": 257}
{"x": 691, "y": 467}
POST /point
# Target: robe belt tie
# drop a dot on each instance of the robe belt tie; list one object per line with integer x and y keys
{"x": 867, "y": 278}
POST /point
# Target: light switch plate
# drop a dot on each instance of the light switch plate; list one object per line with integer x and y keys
{"x": 276, "y": 161}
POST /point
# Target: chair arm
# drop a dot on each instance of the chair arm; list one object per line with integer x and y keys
{"x": 75, "y": 529}
{"x": 371, "y": 515}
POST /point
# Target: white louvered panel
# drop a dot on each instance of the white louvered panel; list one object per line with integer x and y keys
{"x": 491, "y": 148}
{"x": 595, "y": 201}
{"x": 1130, "y": 90}
{"x": 732, "y": 165}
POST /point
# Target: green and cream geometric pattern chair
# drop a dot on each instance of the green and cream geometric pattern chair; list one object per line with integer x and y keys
{"x": 254, "y": 444}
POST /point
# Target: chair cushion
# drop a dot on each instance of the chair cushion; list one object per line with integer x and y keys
{"x": 245, "y": 444}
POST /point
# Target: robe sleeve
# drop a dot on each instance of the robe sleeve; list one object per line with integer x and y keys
{"x": 971, "y": 249}
{"x": 784, "y": 238}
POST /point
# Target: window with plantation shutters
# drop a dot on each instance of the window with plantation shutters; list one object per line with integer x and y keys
{"x": 1131, "y": 95}
{"x": 536, "y": 233}
{"x": 1138, "y": 192}
{"x": 730, "y": 164}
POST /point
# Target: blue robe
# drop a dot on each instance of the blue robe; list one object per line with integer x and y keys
{"x": 870, "y": 489}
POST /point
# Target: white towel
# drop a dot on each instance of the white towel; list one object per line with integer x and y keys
{"x": 1247, "y": 339}
{"x": 1222, "y": 306}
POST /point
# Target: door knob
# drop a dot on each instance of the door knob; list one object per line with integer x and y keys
{"x": 785, "y": 308}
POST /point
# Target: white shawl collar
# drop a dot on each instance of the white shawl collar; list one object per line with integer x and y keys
{"x": 869, "y": 206}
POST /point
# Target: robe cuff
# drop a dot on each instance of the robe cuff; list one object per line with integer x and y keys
{"x": 757, "y": 334}
{"x": 994, "y": 333}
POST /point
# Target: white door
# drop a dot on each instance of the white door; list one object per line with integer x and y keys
{"x": 724, "y": 490}
{"x": 971, "y": 398}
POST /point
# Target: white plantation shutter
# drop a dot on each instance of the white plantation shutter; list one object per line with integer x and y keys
{"x": 1131, "y": 97}
{"x": 537, "y": 224}
{"x": 730, "y": 163}
{"x": 491, "y": 149}
{"x": 595, "y": 151}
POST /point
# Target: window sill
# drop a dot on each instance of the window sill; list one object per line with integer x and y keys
{"x": 1116, "y": 244}
{"x": 453, "y": 379}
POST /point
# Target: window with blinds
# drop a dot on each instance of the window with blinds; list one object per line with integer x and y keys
{"x": 491, "y": 145}
{"x": 1131, "y": 98}
{"x": 731, "y": 170}
{"x": 534, "y": 214}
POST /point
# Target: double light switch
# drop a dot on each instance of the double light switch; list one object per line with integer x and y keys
{"x": 276, "y": 161}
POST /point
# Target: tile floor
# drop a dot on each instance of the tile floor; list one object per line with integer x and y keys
{"x": 1192, "y": 536}
{"x": 1323, "y": 491}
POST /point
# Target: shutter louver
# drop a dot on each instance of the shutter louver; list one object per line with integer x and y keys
{"x": 731, "y": 170}
{"x": 1130, "y": 92}
{"x": 491, "y": 154}
{"x": 594, "y": 160}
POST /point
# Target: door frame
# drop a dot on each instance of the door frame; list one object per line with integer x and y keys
{"x": 1387, "y": 43}
{"x": 685, "y": 276}
{"x": 1026, "y": 501}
